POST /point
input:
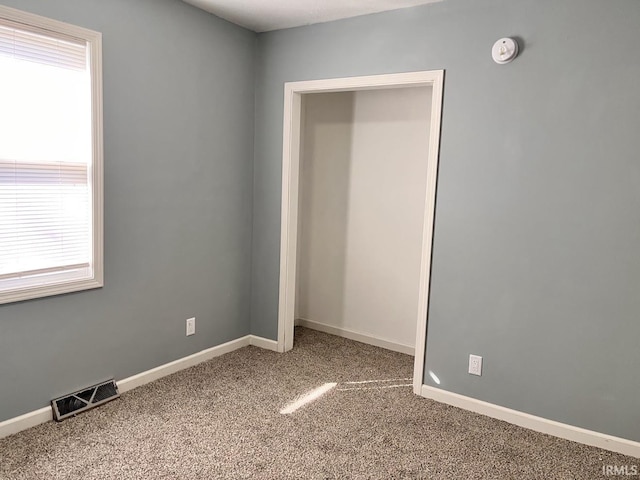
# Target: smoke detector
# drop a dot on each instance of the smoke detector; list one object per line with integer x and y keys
{"x": 504, "y": 50}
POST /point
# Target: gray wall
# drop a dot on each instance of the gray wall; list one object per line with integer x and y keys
{"x": 537, "y": 240}
{"x": 178, "y": 124}
{"x": 536, "y": 261}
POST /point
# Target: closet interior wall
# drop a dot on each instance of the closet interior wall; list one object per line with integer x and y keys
{"x": 362, "y": 199}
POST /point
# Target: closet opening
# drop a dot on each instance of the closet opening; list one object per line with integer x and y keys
{"x": 358, "y": 197}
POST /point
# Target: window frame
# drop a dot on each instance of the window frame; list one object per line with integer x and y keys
{"x": 94, "y": 49}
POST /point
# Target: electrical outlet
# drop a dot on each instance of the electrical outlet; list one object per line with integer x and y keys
{"x": 475, "y": 365}
{"x": 191, "y": 326}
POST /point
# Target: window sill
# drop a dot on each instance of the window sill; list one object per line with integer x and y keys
{"x": 49, "y": 290}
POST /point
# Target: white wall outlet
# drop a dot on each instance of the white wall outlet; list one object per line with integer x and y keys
{"x": 191, "y": 326}
{"x": 475, "y": 365}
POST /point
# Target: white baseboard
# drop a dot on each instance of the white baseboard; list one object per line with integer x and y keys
{"x": 45, "y": 414}
{"x": 264, "y": 343}
{"x": 23, "y": 422}
{"x": 149, "y": 376}
{"x": 358, "y": 337}
{"x": 532, "y": 422}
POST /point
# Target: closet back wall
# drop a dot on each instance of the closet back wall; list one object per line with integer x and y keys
{"x": 363, "y": 181}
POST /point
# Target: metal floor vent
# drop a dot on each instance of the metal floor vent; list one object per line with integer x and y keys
{"x": 74, "y": 403}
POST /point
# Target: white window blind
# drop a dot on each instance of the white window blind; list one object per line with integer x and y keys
{"x": 46, "y": 158}
{"x": 44, "y": 218}
{"x": 20, "y": 42}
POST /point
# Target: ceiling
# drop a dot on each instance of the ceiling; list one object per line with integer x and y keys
{"x": 266, "y": 15}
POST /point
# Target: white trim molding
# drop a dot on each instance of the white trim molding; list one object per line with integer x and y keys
{"x": 532, "y": 422}
{"x": 293, "y": 92}
{"x": 263, "y": 343}
{"x": 357, "y": 336}
{"x": 45, "y": 414}
{"x": 182, "y": 363}
{"x": 26, "y": 421}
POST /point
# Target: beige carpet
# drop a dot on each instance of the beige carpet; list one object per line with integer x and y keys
{"x": 222, "y": 419}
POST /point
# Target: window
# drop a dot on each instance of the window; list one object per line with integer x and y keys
{"x": 50, "y": 157}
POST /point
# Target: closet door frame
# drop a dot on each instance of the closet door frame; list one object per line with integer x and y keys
{"x": 293, "y": 92}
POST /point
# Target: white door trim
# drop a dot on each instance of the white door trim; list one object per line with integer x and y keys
{"x": 293, "y": 92}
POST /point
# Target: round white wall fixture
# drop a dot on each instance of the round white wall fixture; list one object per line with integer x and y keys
{"x": 504, "y": 50}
